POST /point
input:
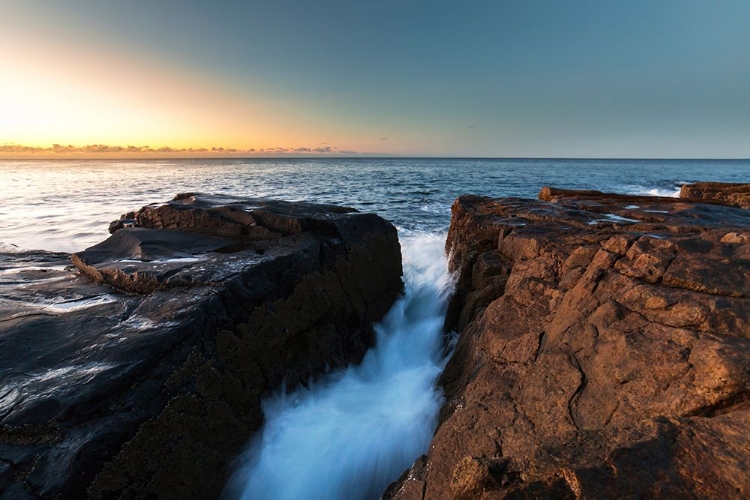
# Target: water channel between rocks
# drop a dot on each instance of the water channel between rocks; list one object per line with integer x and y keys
{"x": 354, "y": 431}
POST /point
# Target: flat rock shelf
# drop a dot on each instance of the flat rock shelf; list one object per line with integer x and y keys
{"x": 604, "y": 349}
{"x": 139, "y": 372}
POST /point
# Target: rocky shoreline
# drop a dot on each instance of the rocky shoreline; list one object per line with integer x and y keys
{"x": 145, "y": 378}
{"x": 604, "y": 349}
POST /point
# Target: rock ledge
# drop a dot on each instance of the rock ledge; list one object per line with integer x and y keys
{"x": 604, "y": 351}
{"x": 147, "y": 382}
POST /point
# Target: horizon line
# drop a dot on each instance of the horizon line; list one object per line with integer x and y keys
{"x": 363, "y": 156}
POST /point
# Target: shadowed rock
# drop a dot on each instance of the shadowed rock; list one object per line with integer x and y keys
{"x": 604, "y": 351}
{"x": 148, "y": 381}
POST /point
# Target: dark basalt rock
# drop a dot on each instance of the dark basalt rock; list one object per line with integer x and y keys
{"x": 604, "y": 351}
{"x": 147, "y": 382}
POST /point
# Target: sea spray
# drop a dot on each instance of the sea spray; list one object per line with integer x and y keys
{"x": 351, "y": 433}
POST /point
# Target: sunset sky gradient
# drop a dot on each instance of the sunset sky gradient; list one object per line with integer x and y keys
{"x": 667, "y": 78}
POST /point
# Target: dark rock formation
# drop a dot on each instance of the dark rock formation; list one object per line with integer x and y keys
{"x": 148, "y": 382}
{"x": 604, "y": 351}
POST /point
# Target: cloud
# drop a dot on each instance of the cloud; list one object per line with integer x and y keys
{"x": 61, "y": 149}
{"x": 16, "y": 148}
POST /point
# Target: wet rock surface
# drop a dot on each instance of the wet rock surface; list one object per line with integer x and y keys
{"x": 139, "y": 372}
{"x": 604, "y": 351}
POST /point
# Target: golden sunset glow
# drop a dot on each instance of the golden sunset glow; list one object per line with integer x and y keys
{"x": 454, "y": 82}
{"x": 91, "y": 100}
{"x": 49, "y": 97}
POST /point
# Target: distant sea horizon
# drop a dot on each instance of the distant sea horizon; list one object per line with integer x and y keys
{"x": 368, "y": 157}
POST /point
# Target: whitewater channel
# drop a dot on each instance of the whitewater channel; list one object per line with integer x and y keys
{"x": 352, "y": 432}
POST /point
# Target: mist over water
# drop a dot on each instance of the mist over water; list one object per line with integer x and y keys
{"x": 353, "y": 432}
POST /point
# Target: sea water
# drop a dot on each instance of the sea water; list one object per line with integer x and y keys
{"x": 350, "y": 432}
{"x": 66, "y": 205}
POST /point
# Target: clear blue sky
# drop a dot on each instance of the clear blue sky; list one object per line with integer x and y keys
{"x": 666, "y": 78}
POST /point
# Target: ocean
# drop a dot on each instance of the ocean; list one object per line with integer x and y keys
{"x": 352, "y": 431}
{"x": 66, "y": 205}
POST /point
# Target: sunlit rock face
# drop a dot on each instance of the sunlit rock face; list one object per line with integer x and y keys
{"x": 604, "y": 351}
{"x": 726, "y": 193}
{"x": 140, "y": 372}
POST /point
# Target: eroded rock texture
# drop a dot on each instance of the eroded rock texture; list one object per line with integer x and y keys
{"x": 604, "y": 351}
{"x": 730, "y": 194}
{"x": 147, "y": 383}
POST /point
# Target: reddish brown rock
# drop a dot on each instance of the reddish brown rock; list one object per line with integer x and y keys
{"x": 604, "y": 351}
{"x": 730, "y": 194}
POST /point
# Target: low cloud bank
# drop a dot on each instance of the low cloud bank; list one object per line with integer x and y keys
{"x": 58, "y": 149}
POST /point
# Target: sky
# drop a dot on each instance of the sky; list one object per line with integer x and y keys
{"x": 619, "y": 79}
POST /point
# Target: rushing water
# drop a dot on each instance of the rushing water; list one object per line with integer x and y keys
{"x": 351, "y": 432}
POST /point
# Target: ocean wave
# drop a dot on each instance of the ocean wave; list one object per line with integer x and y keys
{"x": 665, "y": 191}
{"x": 669, "y": 193}
{"x": 10, "y": 248}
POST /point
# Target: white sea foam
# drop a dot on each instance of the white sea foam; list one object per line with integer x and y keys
{"x": 669, "y": 193}
{"x": 355, "y": 431}
{"x": 10, "y": 248}
{"x": 436, "y": 207}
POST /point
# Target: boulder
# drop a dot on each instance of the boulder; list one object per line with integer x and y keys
{"x": 139, "y": 372}
{"x": 604, "y": 351}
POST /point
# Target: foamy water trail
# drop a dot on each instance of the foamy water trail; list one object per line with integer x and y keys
{"x": 353, "y": 432}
